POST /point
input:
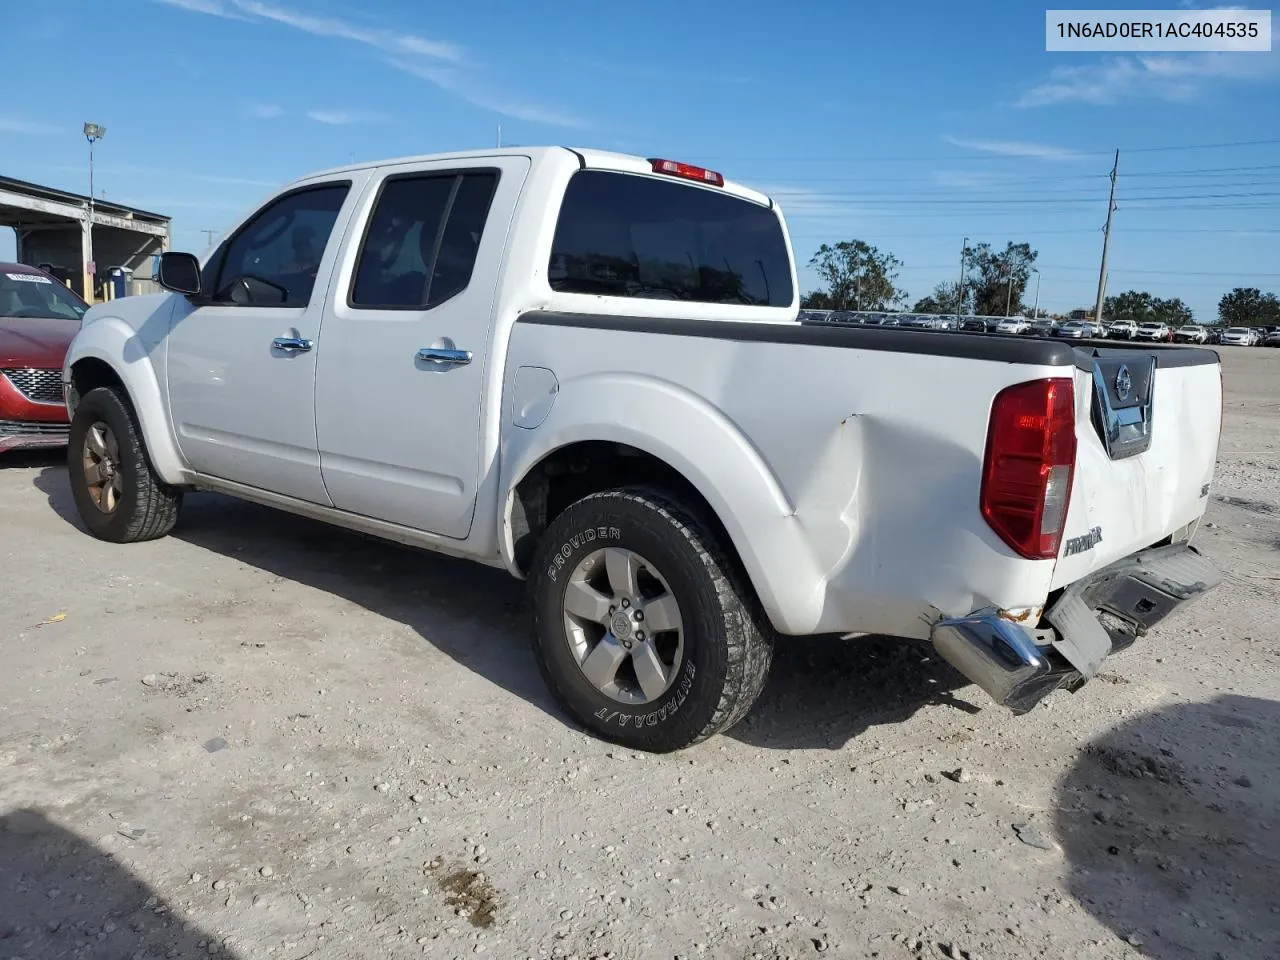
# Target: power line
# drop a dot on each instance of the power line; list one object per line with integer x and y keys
{"x": 994, "y": 157}
{"x": 1041, "y": 233}
{"x": 1057, "y": 268}
{"x": 882, "y": 200}
{"x": 996, "y": 183}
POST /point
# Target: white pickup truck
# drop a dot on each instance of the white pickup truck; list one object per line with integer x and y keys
{"x": 587, "y": 369}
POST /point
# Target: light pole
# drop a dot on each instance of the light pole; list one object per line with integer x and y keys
{"x": 1035, "y": 311}
{"x": 960, "y": 286}
{"x": 93, "y": 132}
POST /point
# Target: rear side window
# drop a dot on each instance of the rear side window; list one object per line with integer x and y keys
{"x": 421, "y": 244}
{"x": 625, "y": 235}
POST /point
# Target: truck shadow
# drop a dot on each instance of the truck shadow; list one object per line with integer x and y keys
{"x": 1171, "y": 828}
{"x": 48, "y": 457}
{"x": 474, "y": 614}
{"x": 823, "y": 692}
{"x": 60, "y": 896}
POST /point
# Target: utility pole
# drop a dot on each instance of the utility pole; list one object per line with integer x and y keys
{"x": 1008, "y": 299}
{"x": 208, "y": 237}
{"x": 1035, "y": 311}
{"x": 858, "y": 302}
{"x": 960, "y": 286}
{"x": 1106, "y": 243}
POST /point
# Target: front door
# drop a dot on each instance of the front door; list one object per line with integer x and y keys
{"x": 402, "y": 375}
{"x": 242, "y": 360}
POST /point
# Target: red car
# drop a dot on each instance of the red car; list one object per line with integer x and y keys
{"x": 38, "y": 318}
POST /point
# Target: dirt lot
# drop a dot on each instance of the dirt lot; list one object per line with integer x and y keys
{"x": 265, "y": 738}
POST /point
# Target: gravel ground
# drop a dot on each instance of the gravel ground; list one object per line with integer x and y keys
{"x": 262, "y": 737}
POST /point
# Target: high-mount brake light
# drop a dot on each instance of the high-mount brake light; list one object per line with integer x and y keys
{"x": 687, "y": 170}
{"x": 1029, "y": 465}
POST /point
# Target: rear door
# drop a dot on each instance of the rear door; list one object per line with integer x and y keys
{"x": 401, "y": 371}
{"x": 1147, "y": 428}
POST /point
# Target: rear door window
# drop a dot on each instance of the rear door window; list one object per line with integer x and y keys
{"x": 628, "y": 235}
{"x": 422, "y": 241}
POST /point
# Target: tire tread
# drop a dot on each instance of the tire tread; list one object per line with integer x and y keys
{"x": 747, "y": 632}
{"x": 157, "y": 505}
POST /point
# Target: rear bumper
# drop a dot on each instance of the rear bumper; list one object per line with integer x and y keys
{"x": 1107, "y": 611}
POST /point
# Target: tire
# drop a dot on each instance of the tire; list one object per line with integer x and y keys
{"x": 715, "y": 665}
{"x": 128, "y": 503}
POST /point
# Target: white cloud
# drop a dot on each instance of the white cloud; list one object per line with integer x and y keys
{"x": 801, "y": 203}
{"x": 1171, "y": 77}
{"x": 341, "y": 118}
{"x": 331, "y": 27}
{"x": 470, "y": 89}
{"x": 265, "y": 111}
{"x": 1013, "y": 148}
{"x": 160, "y": 173}
{"x": 27, "y": 126}
{"x": 256, "y": 10}
{"x": 216, "y": 8}
{"x": 435, "y": 61}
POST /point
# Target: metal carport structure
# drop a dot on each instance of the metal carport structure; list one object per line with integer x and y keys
{"x": 79, "y": 237}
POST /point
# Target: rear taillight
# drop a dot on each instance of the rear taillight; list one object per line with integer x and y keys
{"x": 1030, "y": 460}
{"x": 687, "y": 170}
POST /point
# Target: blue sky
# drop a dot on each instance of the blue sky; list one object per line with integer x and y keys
{"x": 906, "y": 125}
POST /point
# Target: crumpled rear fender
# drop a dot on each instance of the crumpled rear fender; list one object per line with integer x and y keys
{"x": 691, "y": 436}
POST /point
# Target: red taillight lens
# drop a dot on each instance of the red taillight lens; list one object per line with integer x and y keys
{"x": 687, "y": 170}
{"x": 1030, "y": 460}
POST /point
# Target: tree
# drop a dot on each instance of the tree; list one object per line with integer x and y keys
{"x": 1131, "y": 305}
{"x": 858, "y": 276}
{"x": 1249, "y": 307}
{"x": 815, "y": 300}
{"x": 943, "y": 300}
{"x": 998, "y": 280}
{"x": 1174, "y": 312}
{"x": 1141, "y": 307}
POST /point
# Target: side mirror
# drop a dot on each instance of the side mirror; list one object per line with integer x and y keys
{"x": 179, "y": 272}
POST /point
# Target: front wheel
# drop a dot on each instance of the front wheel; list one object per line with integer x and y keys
{"x": 117, "y": 493}
{"x": 643, "y": 629}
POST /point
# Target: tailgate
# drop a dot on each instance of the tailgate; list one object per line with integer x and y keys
{"x": 1147, "y": 426}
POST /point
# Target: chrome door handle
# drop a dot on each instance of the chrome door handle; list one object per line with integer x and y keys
{"x": 292, "y": 344}
{"x": 456, "y": 358}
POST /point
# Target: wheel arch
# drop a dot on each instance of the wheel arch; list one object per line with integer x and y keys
{"x": 751, "y": 518}
{"x": 106, "y": 353}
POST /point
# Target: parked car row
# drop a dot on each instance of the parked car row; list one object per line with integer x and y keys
{"x": 1151, "y": 331}
{"x": 1245, "y": 336}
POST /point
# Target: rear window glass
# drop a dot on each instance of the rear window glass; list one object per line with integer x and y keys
{"x": 626, "y": 235}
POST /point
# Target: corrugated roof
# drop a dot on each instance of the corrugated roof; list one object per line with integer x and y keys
{"x": 51, "y": 193}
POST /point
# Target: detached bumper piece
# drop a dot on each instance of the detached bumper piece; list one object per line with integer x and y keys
{"x": 1019, "y": 666}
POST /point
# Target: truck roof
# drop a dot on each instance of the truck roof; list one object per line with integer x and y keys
{"x": 589, "y": 158}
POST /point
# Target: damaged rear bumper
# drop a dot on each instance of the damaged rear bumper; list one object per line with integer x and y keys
{"x": 1105, "y": 612}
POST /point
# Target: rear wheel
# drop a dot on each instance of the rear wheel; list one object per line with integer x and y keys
{"x": 116, "y": 492}
{"x": 643, "y": 629}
